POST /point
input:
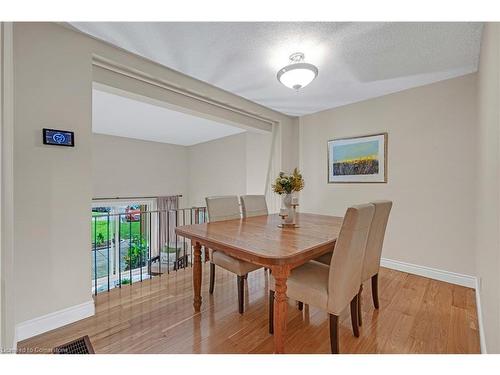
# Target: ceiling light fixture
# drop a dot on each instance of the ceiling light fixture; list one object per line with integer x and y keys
{"x": 297, "y": 74}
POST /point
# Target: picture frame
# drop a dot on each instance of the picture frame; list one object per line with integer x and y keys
{"x": 357, "y": 159}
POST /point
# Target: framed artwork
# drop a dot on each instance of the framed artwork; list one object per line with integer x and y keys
{"x": 358, "y": 159}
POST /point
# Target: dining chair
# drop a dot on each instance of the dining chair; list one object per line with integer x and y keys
{"x": 227, "y": 208}
{"x": 253, "y": 205}
{"x": 373, "y": 253}
{"x": 333, "y": 287}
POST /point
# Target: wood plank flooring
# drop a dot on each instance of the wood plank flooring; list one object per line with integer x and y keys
{"x": 416, "y": 315}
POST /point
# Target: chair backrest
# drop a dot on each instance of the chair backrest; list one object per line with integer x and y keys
{"x": 347, "y": 259}
{"x": 376, "y": 236}
{"x": 223, "y": 208}
{"x": 253, "y": 205}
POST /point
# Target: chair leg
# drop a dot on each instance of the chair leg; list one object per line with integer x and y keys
{"x": 334, "y": 333}
{"x": 354, "y": 316}
{"x": 360, "y": 321}
{"x": 300, "y": 305}
{"x": 212, "y": 278}
{"x": 271, "y": 312}
{"x": 375, "y": 290}
{"x": 241, "y": 291}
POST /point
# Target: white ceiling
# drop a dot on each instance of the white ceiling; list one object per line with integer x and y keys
{"x": 356, "y": 61}
{"x": 121, "y": 116}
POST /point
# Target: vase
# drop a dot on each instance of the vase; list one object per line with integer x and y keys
{"x": 287, "y": 205}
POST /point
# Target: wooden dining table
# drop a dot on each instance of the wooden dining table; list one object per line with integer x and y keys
{"x": 260, "y": 241}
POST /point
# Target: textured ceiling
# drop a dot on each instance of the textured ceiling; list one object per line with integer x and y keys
{"x": 124, "y": 117}
{"x": 356, "y": 61}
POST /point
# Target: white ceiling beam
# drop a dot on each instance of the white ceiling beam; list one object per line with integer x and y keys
{"x": 139, "y": 86}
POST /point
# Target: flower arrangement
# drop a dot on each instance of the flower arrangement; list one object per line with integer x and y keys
{"x": 287, "y": 184}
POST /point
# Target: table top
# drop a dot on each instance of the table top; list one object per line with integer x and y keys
{"x": 259, "y": 239}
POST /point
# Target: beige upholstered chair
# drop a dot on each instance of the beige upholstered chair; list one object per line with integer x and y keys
{"x": 373, "y": 253}
{"x": 219, "y": 209}
{"x": 333, "y": 288}
{"x": 253, "y": 205}
{"x": 371, "y": 264}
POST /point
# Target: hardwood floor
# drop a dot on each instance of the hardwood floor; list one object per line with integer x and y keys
{"x": 416, "y": 315}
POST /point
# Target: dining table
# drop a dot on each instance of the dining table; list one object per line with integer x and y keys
{"x": 260, "y": 240}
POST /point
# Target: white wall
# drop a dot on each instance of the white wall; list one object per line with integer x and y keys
{"x": 230, "y": 165}
{"x": 124, "y": 167}
{"x": 52, "y": 185}
{"x": 431, "y": 170}
{"x": 217, "y": 168}
{"x": 488, "y": 165}
{"x": 233, "y": 165}
{"x": 258, "y": 150}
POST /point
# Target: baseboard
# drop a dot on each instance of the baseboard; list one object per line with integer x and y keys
{"x": 482, "y": 338}
{"x": 15, "y": 340}
{"x": 431, "y": 273}
{"x": 33, "y": 327}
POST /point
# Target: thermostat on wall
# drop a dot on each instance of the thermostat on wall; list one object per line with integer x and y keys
{"x": 58, "y": 137}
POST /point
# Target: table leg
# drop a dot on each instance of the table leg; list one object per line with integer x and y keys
{"x": 197, "y": 277}
{"x": 280, "y": 275}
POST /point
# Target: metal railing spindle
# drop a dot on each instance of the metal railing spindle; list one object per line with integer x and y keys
{"x": 159, "y": 244}
{"x": 190, "y": 243}
{"x": 95, "y": 255}
{"x": 119, "y": 251}
{"x": 184, "y": 261}
{"x": 109, "y": 243}
{"x": 168, "y": 241}
{"x": 149, "y": 247}
{"x": 140, "y": 243}
{"x": 176, "y": 247}
{"x": 130, "y": 247}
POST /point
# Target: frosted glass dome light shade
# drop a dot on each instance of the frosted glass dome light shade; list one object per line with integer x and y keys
{"x": 297, "y": 75}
